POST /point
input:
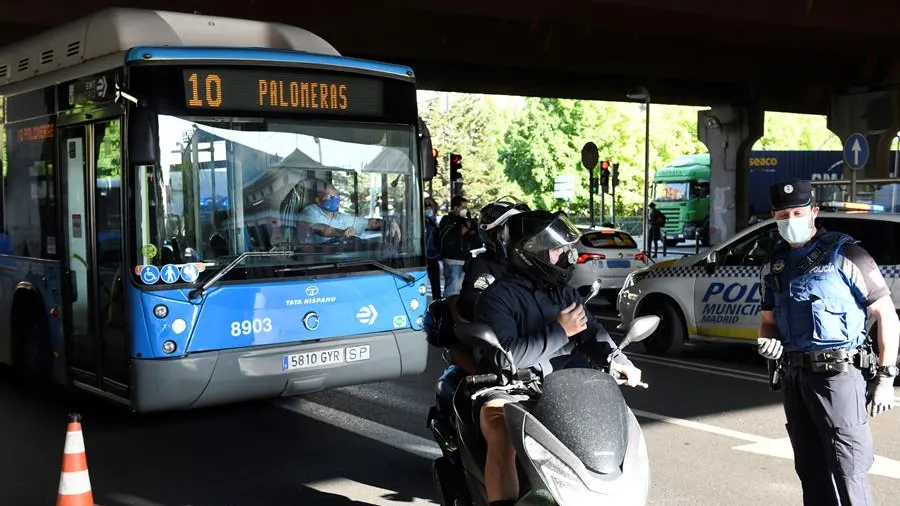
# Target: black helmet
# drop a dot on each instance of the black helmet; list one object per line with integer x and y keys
{"x": 438, "y": 324}
{"x": 532, "y": 235}
{"x": 491, "y": 228}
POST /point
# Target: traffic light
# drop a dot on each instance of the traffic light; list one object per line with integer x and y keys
{"x": 455, "y": 165}
{"x": 615, "y": 175}
{"x": 604, "y": 176}
{"x": 594, "y": 184}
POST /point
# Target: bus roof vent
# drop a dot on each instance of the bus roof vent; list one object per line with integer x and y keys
{"x": 73, "y": 48}
{"x": 114, "y": 31}
{"x": 4, "y": 71}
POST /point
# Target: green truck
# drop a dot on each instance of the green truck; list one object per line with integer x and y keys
{"x": 681, "y": 193}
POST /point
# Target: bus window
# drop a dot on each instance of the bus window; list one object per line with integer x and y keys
{"x": 29, "y": 188}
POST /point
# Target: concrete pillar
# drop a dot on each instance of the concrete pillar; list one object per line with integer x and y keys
{"x": 876, "y": 115}
{"x": 729, "y": 132}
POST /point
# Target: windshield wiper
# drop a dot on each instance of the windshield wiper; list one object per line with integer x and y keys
{"x": 396, "y": 272}
{"x": 196, "y": 292}
{"x": 337, "y": 265}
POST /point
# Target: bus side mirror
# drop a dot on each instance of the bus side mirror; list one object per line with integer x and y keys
{"x": 142, "y": 136}
{"x": 429, "y": 168}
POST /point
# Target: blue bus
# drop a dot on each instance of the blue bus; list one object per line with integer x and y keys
{"x": 198, "y": 210}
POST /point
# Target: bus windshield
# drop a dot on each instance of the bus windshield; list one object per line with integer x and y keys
{"x": 327, "y": 191}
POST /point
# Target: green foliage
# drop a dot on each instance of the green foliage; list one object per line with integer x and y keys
{"x": 521, "y": 151}
{"x": 545, "y": 140}
{"x": 473, "y": 127}
{"x": 785, "y": 131}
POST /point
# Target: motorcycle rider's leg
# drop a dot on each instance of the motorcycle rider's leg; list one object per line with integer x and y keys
{"x": 501, "y": 480}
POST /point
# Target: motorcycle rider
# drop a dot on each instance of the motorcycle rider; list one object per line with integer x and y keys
{"x": 539, "y": 319}
{"x": 490, "y": 265}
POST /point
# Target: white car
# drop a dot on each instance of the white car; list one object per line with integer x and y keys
{"x": 608, "y": 255}
{"x": 715, "y": 296}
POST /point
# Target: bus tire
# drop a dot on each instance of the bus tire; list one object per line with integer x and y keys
{"x": 669, "y": 337}
{"x": 32, "y": 352}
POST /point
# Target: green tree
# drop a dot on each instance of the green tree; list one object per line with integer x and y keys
{"x": 472, "y": 126}
{"x": 785, "y": 131}
{"x": 545, "y": 140}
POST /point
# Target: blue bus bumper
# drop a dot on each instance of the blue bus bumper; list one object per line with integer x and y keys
{"x": 219, "y": 377}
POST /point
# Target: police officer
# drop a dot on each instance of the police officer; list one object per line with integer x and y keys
{"x": 490, "y": 265}
{"x": 817, "y": 288}
{"x": 540, "y": 320}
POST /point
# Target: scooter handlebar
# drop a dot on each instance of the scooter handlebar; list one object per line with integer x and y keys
{"x": 483, "y": 380}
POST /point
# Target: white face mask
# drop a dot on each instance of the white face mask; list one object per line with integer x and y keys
{"x": 463, "y": 213}
{"x": 796, "y": 229}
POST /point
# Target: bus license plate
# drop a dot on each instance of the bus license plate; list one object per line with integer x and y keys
{"x": 618, "y": 264}
{"x": 321, "y": 358}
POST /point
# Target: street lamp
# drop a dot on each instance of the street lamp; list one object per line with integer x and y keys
{"x": 641, "y": 93}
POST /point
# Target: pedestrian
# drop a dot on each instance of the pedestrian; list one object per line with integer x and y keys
{"x": 817, "y": 289}
{"x": 657, "y": 221}
{"x": 432, "y": 247}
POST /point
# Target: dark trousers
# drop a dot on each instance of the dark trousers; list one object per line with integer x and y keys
{"x": 434, "y": 276}
{"x": 655, "y": 237}
{"x": 829, "y": 431}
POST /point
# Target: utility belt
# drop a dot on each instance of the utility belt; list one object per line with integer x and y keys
{"x": 831, "y": 360}
{"x": 863, "y": 358}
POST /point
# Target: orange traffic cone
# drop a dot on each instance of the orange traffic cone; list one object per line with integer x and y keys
{"x": 74, "y": 483}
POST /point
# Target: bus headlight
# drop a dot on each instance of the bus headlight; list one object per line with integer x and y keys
{"x": 169, "y": 347}
{"x": 422, "y": 290}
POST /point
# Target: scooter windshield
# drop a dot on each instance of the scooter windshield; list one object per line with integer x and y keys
{"x": 585, "y": 410}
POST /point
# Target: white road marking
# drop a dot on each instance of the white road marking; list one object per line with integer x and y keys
{"x": 883, "y": 466}
{"x": 762, "y": 445}
{"x": 362, "y": 492}
{"x": 384, "y": 434}
{"x": 755, "y": 377}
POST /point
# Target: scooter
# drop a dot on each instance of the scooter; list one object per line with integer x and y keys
{"x": 577, "y": 442}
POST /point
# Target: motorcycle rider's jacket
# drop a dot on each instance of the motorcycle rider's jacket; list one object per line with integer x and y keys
{"x": 522, "y": 313}
{"x": 481, "y": 272}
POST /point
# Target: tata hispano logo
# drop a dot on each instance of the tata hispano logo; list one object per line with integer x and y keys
{"x": 312, "y": 297}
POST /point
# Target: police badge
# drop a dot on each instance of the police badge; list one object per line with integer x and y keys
{"x": 778, "y": 266}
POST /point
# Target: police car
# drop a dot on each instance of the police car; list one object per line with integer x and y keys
{"x": 608, "y": 255}
{"x": 715, "y": 296}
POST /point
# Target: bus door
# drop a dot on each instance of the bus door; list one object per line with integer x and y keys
{"x": 91, "y": 181}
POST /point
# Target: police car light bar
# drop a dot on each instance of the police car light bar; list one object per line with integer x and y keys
{"x": 852, "y": 207}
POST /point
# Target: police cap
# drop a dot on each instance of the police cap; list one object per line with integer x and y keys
{"x": 791, "y": 193}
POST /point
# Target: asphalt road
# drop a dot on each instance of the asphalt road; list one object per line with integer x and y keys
{"x": 714, "y": 432}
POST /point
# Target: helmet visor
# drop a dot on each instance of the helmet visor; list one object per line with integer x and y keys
{"x": 561, "y": 232}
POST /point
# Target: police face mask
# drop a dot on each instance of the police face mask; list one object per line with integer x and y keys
{"x": 331, "y": 204}
{"x": 463, "y": 213}
{"x": 796, "y": 229}
{"x": 429, "y": 213}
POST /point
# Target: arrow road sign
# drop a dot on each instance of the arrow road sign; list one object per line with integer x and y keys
{"x": 856, "y": 151}
{"x": 367, "y": 314}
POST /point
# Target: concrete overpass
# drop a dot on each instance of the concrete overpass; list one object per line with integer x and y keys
{"x": 814, "y": 56}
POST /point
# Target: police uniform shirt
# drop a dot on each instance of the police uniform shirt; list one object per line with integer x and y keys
{"x": 856, "y": 267}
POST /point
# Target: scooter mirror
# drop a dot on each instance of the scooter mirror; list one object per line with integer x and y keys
{"x": 595, "y": 289}
{"x": 641, "y": 328}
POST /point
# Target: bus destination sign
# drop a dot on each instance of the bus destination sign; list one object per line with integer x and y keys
{"x": 265, "y": 91}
